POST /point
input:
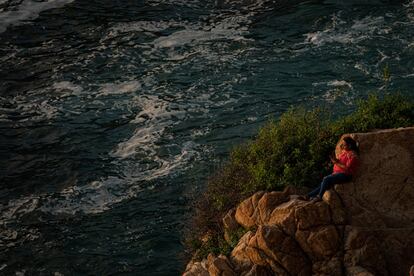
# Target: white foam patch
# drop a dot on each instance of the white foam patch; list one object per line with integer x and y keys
{"x": 196, "y": 133}
{"x": 229, "y": 29}
{"x": 67, "y": 88}
{"x": 369, "y": 24}
{"x": 363, "y": 68}
{"x": 171, "y": 164}
{"x": 143, "y": 26}
{"x": 336, "y": 90}
{"x": 180, "y": 33}
{"x": 119, "y": 88}
{"x": 186, "y": 3}
{"x": 155, "y": 115}
{"x": 184, "y": 37}
{"x": 19, "y": 207}
{"x": 339, "y": 83}
{"x": 172, "y": 56}
{"x": 340, "y": 32}
{"x": 28, "y": 10}
{"x": 92, "y": 198}
{"x": 97, "y": 196}
{"x": 408, "y": 76}
{"x": 327, "y": 36}
{"x": 334, "y": 95}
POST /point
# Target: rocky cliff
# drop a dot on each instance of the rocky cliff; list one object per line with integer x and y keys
{"x": 365, "y": 227}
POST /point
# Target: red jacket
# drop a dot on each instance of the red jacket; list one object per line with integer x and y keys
{"x": 350, "y": 160}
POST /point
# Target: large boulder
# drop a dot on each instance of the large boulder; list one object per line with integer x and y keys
{"x": 380, "y": 200}
{"x": 258, "y": 208}
{"x": 382, "y": 193}
{"x": 212, "y": 266}
{"x": 246, "y": 212}
{"x": 271, "y": 247}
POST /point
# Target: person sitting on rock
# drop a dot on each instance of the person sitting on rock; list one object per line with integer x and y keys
{"x": 343, "y": 170}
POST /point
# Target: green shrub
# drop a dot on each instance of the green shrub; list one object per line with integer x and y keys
{"x": 290, "y": 151}
{"x": 215, "y": 244}
{"x": 377, "y": 113}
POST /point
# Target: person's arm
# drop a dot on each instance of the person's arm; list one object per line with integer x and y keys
{"x": 352, "y": 161}
{"x": 335, "y": 161}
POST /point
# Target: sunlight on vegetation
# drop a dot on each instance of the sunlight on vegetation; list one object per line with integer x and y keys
{"x": 293, "y": 151}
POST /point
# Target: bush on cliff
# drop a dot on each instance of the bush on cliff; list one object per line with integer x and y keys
{"x": 290, "y": 151}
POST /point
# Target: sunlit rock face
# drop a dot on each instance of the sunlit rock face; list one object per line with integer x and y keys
{"x": 380, "y": 204}
{"x": 364, "y": 227}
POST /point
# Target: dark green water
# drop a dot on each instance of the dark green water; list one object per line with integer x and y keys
{"x": 113, "y": 113}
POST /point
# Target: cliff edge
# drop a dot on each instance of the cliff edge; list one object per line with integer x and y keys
{"x": 364, "y": 227}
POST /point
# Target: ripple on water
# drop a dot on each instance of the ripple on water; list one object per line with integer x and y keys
{"x": 154, "y": 96}
{"x": 339, "y": 31}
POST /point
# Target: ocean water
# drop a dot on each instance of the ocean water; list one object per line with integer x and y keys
{"x": 114, "y": 113}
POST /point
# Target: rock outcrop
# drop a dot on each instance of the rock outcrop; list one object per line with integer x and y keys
{"x": 365, "y": 227}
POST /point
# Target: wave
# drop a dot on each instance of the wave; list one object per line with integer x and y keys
{"x": 153, "y": 150}
{"x": 27, "y": 10}
{"x": 156, "y": 115}
{"x": 97, "y": 196}
{"x": 339, "y": 31}
{"x": 141, "y": 26}
{"x": 228, "y": 29}
{"x": 20, "y": 110}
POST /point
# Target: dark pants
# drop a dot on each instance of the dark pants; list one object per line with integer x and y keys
{"x": 328, "y": 182}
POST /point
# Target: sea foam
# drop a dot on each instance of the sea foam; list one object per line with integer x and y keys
{"x": 28, "y": 10}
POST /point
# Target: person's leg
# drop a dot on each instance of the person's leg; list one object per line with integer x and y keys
{"x": 329, "y": 180}
{"x": 315, "y": 192}
{"x": 325, "y": 184}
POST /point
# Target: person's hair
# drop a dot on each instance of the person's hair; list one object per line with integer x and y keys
{"x": 352, "y": 144}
